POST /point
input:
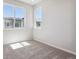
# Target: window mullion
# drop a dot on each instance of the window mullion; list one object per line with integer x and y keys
{"x": 14, "y": 16}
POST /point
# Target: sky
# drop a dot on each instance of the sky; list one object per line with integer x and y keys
{"x": 39, "y": 14}
{"x": 8, "y": 11}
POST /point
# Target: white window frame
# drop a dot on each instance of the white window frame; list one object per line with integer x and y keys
{"x": 35, "y": 19}
{"x": 14, "y": 7}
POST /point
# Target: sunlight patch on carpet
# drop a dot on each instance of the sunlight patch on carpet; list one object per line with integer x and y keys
{"x": 16, "y": 46}
{"x": 19, "y": 45}
{"x": 25, "y": 43}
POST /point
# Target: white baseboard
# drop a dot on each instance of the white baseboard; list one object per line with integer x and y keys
{"x": 57, "y": 47}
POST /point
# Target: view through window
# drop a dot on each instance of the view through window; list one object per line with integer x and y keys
{"x": 38, "y": 16}
{"x": 13, "y": 16}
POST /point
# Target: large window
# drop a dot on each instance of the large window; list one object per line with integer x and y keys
{"x": 13, "y": 16}
{"x": 38, "y": 16}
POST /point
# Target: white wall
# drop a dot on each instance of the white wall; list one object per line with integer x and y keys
{"x": 15, "y": 35}
{"x": 58, "y": 26}
{"x": 11, "y": 36}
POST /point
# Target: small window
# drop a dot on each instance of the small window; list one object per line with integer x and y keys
{"x": 38, "y": 16}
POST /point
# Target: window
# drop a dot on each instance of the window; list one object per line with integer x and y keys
{"x": 8, "y": 16}
{"x": 13, "y": 16}
{"x": 38, "y": 16}
{"x": 19, "y": 17}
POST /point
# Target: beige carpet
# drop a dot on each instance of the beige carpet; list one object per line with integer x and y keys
{"x": 35, "y": 50}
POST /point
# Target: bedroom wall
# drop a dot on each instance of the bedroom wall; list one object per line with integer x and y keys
{"x": 15, "y": 35}
{"x": 58, "y": 27}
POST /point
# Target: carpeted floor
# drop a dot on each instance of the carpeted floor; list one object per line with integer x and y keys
{"x": 35, "y": 50}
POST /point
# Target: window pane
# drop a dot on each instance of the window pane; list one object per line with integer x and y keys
{"x": 38, "y": 23}
{"x": 38, "y": 16}
{"x": 19, "y": 17}
{"x": 19, "y": 22}
{"x": 8, "y": 16}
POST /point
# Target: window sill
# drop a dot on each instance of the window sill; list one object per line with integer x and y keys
{"x": 13, "y": 28}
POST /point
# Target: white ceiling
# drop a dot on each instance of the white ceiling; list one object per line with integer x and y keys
{"x": 32, "y": 2}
